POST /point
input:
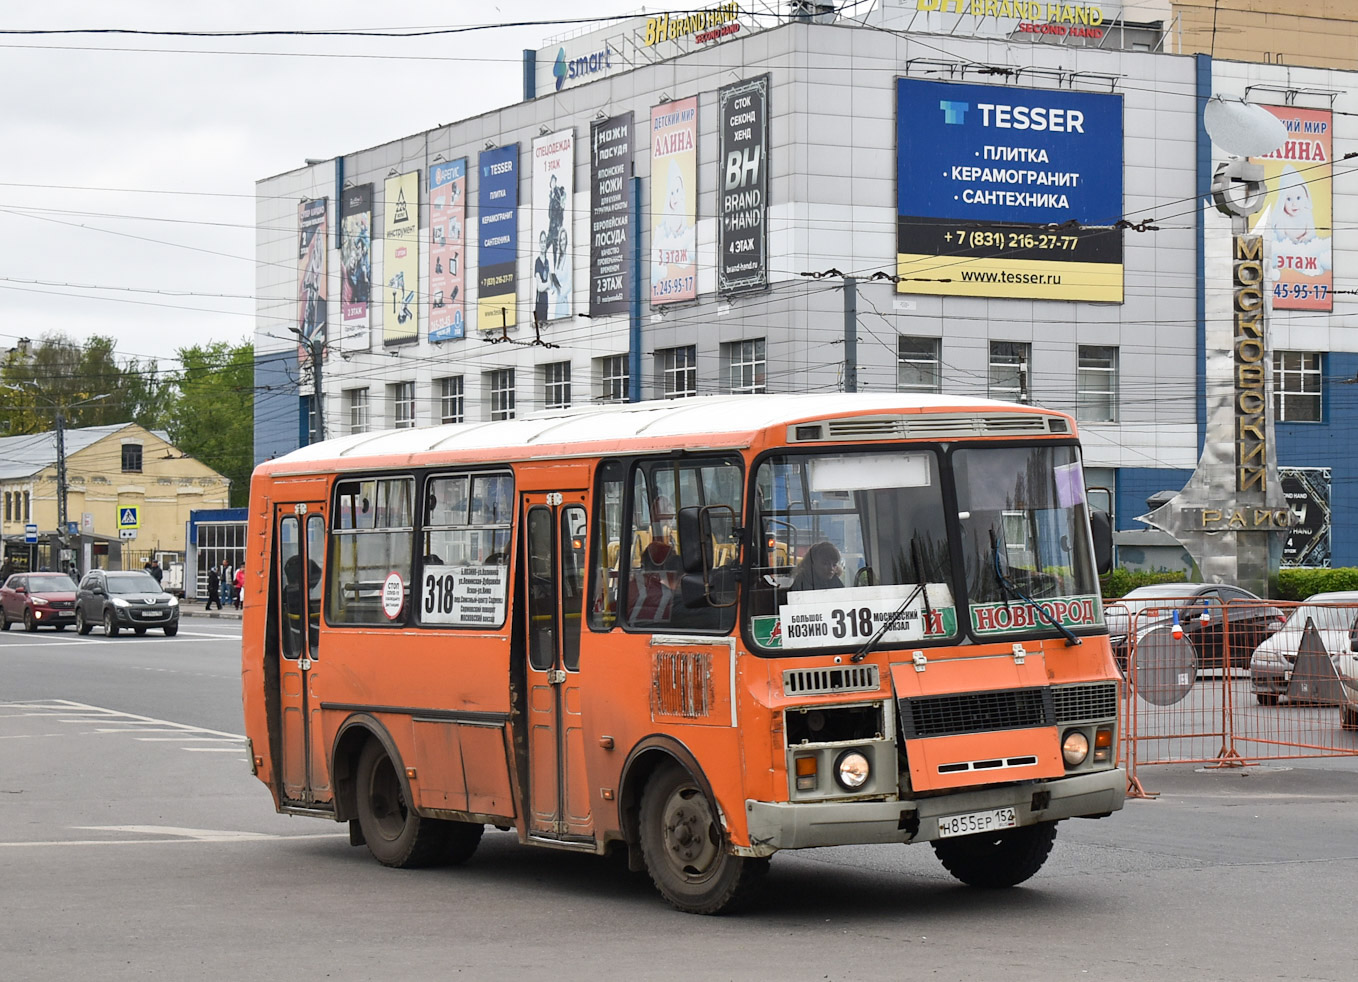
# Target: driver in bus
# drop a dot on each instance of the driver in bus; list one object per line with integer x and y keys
{"x": 819, "y": 569}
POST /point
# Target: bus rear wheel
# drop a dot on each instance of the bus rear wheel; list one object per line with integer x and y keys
{"x": 995, "y": 860}
{"x": 685, "y": 849}
{"x": 396, "y": 835}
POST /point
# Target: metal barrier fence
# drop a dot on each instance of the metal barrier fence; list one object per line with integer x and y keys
{"x": 1235, "y": 682}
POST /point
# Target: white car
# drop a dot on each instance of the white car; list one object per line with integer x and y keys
{"x": 1335, "y": 616}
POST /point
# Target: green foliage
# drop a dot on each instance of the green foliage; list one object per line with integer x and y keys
{"x": 1298, "y": 584}
{"x": 213, "y": 411}
{"x": 1117, "y": 582}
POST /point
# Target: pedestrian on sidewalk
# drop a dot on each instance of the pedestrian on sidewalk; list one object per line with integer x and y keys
{"x": 214, "y": 588}
{"x": 238, "y": 593}
{"x": 226, "y": 579}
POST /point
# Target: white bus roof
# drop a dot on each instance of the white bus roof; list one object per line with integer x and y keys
{"x": 702, "y": 422}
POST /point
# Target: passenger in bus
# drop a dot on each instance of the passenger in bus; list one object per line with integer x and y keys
{"x": 819, "y": 569}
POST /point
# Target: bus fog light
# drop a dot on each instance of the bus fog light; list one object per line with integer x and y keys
{"x": 852, "y": 770}
{"x": 1075, "y": 748}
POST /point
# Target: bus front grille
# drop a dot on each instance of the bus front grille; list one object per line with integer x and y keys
{"x": 821, "y": 681}
{"x": 976, "y": 712}
{"x": 1090, "y": 701}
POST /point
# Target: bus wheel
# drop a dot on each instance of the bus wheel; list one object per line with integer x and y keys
{"x": 685, "y": 850}
{"x": 395, "y": 834}
{"x": 997, "y": 859}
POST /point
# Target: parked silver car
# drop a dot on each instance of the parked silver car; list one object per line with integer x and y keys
{"x": 1229, "y": 609}
{"x": 1335, "y": 616}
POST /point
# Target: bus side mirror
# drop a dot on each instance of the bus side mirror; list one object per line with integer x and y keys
{"x": 1102, "y": 526}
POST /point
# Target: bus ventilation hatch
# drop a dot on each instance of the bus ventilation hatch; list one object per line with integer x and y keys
{"x": 820, "y": 681}
{"x": 976, "y": 712}
{"x": 956, "y": 427}
{"x": 1078, "y": 703}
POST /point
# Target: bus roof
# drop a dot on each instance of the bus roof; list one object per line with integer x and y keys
{"x": 698, "y": 423}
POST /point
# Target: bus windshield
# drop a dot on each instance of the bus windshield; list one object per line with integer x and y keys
{"x": 858, "y": 548}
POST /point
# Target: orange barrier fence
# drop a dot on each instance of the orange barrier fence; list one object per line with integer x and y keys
{"x": 1226, "y": 682}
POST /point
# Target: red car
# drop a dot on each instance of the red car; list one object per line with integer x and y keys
{"x": 37, "y": 599}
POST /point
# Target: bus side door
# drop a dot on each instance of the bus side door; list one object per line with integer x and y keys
{"x": 301, "y": 558}
{"x": 554, "y": 554}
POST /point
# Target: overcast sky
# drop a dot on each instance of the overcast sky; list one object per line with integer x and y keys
{"x": 127, "y": 190}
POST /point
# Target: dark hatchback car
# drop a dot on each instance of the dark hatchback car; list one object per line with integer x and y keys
{"x": 119, "y": 599}
{"x": 37, "y": 600}
{"x": 1248, "y": 620}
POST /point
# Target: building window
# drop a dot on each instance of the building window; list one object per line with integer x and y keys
{"x": 614, "y": 381}
{"x": 500, "y": 388}
{"x": 28, "y": 506}
{"x": 556, "y": 385}
{"x": 356, "y": 402}
{"x": 917, "y": 365}
{"x": 1009, "y": 366}
{"x": 1097, "y": 385}
{"x": 746, "y": 369}
{"x": 1296, "y": 386}
{"x": 401, "y": 400}
{"x": 678, "y": 371}
{"x": 9, "y": 515}
{"x": 452, "y": 409}
{"x": 311, "y": 435}
{"x": 131, "y": 458}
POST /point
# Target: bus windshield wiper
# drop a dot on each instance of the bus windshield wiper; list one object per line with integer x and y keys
{"x": 871, "y": 642}
{"x": 1008, "y": 586}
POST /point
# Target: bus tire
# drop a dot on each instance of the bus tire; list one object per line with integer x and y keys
{"x": 995, "y": 860}
{"x": 396, "y": 835}
{"x": 685, "y": 850}
{"x": 463, "y": 838}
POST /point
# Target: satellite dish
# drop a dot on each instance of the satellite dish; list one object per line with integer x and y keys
{"x": 1242, "y": 129}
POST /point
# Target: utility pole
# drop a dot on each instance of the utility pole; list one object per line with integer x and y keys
{"x": 850, "y": 334}
{"x": 61, "y": 474}
{"x": 315, "y": 349}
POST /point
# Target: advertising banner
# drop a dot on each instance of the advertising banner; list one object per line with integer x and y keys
{"x": 1296, "y": 219}
{"x": 983, "y": 173}
{"x": 610, "y": 220}
{"x": 1307, "y": 490}
{"x": 743, "y": 177}
{"x": 311, "y": 252}
{"x": 447, "y": 249}
{"x": 498, "y": 208}
{"x": 674, "y": 201}
{"x": 553, "y": 187}
{"x": 401, "y": 259}
{"x": 356, "y": 267}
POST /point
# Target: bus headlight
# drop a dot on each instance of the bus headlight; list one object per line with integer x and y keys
{"x": 852, "y": 770}
{"x": 1074, "y": 748}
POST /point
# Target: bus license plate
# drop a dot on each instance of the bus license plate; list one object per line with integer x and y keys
{"x": 997, "y": 818}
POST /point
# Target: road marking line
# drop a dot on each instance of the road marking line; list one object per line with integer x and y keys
{"x": 213, "y": 750}
{"x": 67, "y": 707}
{"x": 242, "y": 837}
{"x": 101, "y": 640}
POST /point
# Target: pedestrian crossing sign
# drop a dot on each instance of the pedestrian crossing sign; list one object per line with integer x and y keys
{"x": 129, "y": 518}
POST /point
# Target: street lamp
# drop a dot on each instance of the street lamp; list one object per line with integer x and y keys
{"x": 59, "y": 410}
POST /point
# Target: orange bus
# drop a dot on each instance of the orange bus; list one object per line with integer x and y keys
{"x": 700, "y": 630}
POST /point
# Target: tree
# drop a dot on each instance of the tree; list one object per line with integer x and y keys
{"x": 60, "y": 372}
{"x": 211, "y": 413}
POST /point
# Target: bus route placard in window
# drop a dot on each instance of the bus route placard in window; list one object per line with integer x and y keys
{"x": 463, "y": 595}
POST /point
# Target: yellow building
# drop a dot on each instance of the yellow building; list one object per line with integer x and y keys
{"x": 1320, "y": 33}
{"x": 122, "y": 470}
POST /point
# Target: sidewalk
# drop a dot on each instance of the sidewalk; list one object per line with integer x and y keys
{"x": 194, "y": 608}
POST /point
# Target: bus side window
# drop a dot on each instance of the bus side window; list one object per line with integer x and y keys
{"x": 607, "y": 540}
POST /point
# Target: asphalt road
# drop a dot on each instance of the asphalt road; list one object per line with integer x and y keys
{"x": 135, "y": 844}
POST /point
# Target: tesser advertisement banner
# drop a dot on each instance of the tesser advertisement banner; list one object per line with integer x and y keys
{"x": 498, "y": 211}
{"x": 1296, "y": 220}
{"x": 674, "y": 201}
{"x": 985, "y": 172}
{"x": 447, "y": 249}
{"x": 401, "y": 259}
{"x": 743, "y": 177}
{"x": 356, "y": 268}
{"x": 611, "y": 275}
{"x": 553, "y": 225}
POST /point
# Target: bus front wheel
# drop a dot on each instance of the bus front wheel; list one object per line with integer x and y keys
{"x": 685, "y": 850}
{"x": 396, "y": 834}
{"x": 996, "y": 860}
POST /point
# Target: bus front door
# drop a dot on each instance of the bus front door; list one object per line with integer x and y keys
{"x": 554, "y": 537}
{"x": 301, "y": 556}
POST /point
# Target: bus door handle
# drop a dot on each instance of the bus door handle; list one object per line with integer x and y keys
{"x": 556, "y": 676}
{"x": 304, "y": 663}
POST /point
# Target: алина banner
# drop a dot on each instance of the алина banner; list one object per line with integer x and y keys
{"x": 1008, "y": 192}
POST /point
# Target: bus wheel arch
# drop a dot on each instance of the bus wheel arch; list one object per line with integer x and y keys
{"x": 649, "y": 755}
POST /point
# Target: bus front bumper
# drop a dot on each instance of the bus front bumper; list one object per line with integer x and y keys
{"x": 782, "y": 825}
